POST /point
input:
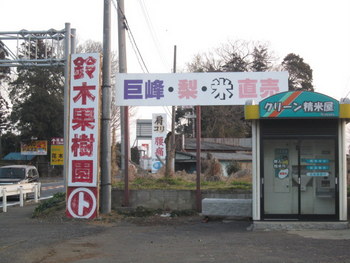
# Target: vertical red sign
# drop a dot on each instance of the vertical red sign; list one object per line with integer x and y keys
{"x": 83, "y": 142}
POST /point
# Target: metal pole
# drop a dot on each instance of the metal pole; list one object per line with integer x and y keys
{"x": 73, "y": 40}
{"x": 124, "y": 111}
{"x": 126, "y": 156}
{"x": 198, "y": 154}
{"x": 106, "y": 188}
{"x": 173, "y": 123}
{"x": 66, "y": 100}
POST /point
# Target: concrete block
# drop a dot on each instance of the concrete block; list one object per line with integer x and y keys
{"x": 227, "y": 207}
{"x": 143, "y": 195}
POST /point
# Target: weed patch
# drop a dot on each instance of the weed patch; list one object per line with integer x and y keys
{"x": 179, "y": 183}
{"x": 56, "y": 203}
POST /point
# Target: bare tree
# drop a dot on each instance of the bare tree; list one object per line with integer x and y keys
{"x": 4, "y": 71}
{"x": 91, "y": 46}
{"x": 243, "y": 56}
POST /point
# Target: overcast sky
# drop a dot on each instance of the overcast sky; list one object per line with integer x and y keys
{"x": 318, "y": 31}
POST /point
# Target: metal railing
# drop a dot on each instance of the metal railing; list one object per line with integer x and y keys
{"x": 19, "y": 189}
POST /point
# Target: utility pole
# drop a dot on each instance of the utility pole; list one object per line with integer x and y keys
{"x": 198, "y": 155}
{"x": 124, "y": 111}
{"x": 173, "y": 112}
{"x": 73, "y": 40}
{"x": 106, "y": 187}
{"x": 170, "y": 158}
{"x": 67, "y": 50}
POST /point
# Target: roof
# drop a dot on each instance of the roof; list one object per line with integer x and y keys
{"x": 190, "y": 145}
{"x": 221, "y": 156}
{"x": 15, "y": 156}
{"x": 17, "y": 166}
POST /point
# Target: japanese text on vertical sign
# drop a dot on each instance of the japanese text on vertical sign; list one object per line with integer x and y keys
{"x": 159, "y": 132}
{"x": 84, "y": 107}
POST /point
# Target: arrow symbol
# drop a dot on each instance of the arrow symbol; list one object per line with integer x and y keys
{"x": 82, "y": 204}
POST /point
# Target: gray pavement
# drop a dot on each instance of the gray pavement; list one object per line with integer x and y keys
{"x": 24, "y": 239}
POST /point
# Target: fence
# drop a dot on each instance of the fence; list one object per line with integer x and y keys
{"x": 19, "y": 189}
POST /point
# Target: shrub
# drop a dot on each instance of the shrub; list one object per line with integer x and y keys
{"x": 233, "y": 167}
{"x": 54, "y": 203}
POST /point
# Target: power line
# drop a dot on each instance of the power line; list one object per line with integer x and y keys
{"x": 153, "y": 33}
{"x": 167, "y": 111}
{"x": 132, "y": 39}
{"x": 137, "y": 57}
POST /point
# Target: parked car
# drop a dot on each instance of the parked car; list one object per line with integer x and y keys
{"x": 18, "y": 174}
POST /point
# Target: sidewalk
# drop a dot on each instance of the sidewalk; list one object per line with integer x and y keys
{"x": 24, "y": 239}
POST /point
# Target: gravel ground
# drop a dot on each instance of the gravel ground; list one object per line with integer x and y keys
{"x": 160, "y": 239}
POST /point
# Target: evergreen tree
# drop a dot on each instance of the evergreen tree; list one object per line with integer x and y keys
{"x": 300, "y": 73}
{"x": 37, "y": 96}
{"x": 4, "y": 76}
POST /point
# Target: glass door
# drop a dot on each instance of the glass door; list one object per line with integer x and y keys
{"x": 317, "y": 177}
{"x": 280, "y": 193}
{"x": 299, "y": 179}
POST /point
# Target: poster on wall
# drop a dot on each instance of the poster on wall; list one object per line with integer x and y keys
{"x": 280, "y": 163}
{"x": 159, "y": 133}
{"x": 34, "y": 148}
{"x": 57, "y": 151}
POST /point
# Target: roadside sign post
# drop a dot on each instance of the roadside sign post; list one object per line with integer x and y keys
{"x": 197, "y": 89}
{"x": 84, "y": 136}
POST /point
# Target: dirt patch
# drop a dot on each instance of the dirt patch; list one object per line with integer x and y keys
{"x": 137, "y": 216}
{"x": 162, "y": 220}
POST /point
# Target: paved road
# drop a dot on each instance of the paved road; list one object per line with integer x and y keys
{"x": 49, "y": 189}
{"x": 24, "y": 239}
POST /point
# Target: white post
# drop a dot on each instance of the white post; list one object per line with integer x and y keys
{"x": 36, "y": 192}
{"x": 342, "y": 172}
{"x": 67, "y": 49}
{"x": 4, "y": 200}
{"x": 21, "y": 196}
{"x": 256, "y": 171}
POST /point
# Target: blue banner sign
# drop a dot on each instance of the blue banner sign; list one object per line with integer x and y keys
{"x": 299, "y": 104}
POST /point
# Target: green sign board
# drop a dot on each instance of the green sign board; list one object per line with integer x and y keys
{"x": 299, "y": 104}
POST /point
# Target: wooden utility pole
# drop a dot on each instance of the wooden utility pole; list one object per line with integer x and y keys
{"x": 170, "y": 142}
{"x": 198, "y": 154}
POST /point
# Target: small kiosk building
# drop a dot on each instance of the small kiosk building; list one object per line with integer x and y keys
{"x": 299, "y": 157}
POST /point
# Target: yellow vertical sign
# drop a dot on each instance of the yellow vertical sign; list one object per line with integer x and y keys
{"x": 56, "y": 154}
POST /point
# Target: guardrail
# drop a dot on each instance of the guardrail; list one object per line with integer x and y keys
{"x": 19, "y": 189}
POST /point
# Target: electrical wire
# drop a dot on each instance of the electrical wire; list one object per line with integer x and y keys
{"x": 134, "y": 44}
{"x": 131, "y": 36}
{"x": 132, "y": 39}
{"x": 153, "y": 32}
{"x": 347, "y": 84}
{"x": 137, "y": 57}
{"x": 167, "y": 111}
